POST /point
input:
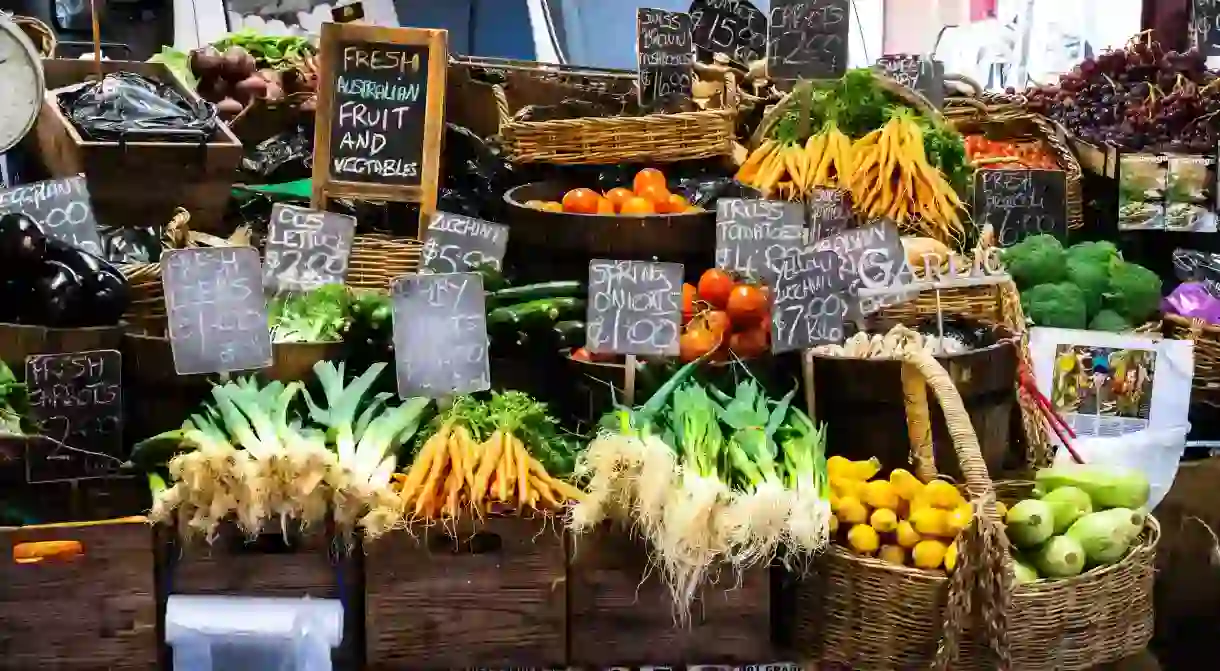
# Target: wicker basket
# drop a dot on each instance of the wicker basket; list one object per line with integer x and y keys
{"x": 652, "y": 138}
{"x": 39, "y": 33}
{"x": 869, "y": 614}
{"x": 1025, "y": 127}
{"x": 1206, "y": 339}
{"x": 146, "y": 312}
{"x": 377, "y": 259}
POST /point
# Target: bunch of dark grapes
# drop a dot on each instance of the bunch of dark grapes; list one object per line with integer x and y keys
{"x": 1139, "y": 98}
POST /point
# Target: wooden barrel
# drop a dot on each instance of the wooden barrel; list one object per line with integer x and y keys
{"x": 18, "y": 341}
{"x": 861, "y": 402}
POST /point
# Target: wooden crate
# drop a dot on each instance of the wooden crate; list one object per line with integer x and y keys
{"x": 481, "y": 595}
{"x": 94, "y": 611}
{"x": 305, "y": 565}
{"x": 137, "y": 183}
{"x": 620, "y": 613}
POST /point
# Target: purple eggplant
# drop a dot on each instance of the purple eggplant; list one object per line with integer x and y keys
{"x": 22, "y": 243}
{"x": 60, "y": 297}
{"x": 106, "y": 293}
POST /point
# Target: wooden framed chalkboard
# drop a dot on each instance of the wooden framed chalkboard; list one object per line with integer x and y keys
{"x": 61, "y": 206}
{"x": 381, "y": 102}
{"x": 664, "y": 53}
{"x": 76, "y": 400}
{"x": 807, "y": 39}
{"x": 1020, "y": 202}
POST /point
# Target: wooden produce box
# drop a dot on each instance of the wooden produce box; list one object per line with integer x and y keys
{"x": 94, "y": 610}
{"x": 481, "y": 595}
{"x": 137, "y": 183}
{"x": 303, "y": 565}
{"x": 621, "y": 614}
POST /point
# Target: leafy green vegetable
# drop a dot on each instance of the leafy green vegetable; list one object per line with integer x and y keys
{"x": 1109, "y": 320}
{"x": 319, "y": 315}
{"x": 278, "y": 52}
{"x": 1092, "y": 277}
{"x": 1038, "y": 259}
{"x": 1059, "y": 305}
{"x": 1098, "y": 251}
{"x": 1135, "y": 291}
{"x": 178, "y": 62}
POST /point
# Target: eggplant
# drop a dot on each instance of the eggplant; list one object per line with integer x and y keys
{"x": 104, "y": 288}
{"x": 60, "y": 296}
{"x": 22, "y": 242}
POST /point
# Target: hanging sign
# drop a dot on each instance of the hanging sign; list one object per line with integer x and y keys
{"x": 809, "y": 301}
{"x": 76, "y": 400}
{"x": 306, "y": 248}
{"x": 635, "y": 307}
{"x": 440, "y": 334}
{"x": 807, "y": 39}
{"x": 754, "y": 236}
{"x": 457, "y": 244}
{"x": 664, "y": 54}
{"x": 916, "y": 73}
{"x": 61, "y": 207}
{"x": 1021, "y": 202}
{"x": 733, "y": 27}
{"x": 381, "y": 100}
{"x": 827, "y": 212}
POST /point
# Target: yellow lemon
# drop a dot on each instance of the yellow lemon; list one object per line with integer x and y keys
{"x": 880, "y": 494}
{"x": 851, "y": 511}
{"x": 863, "y": 470}
{"x": 928, "y": 554}
{"x": 834, "y": 500}
{"x": 905, "y": 484}
{"x": 834, "y": 524}
{"x": 845, "y": 486}
{"x": 931, "y": 521}
{"x": 943, "y": 495}
{"x": 951, "y": 557}
{"x": 959, "y": 518}
{"x": 1002, "y": 510}
{"x": 863, "y": 539}
{"x": 906, "y": 535}
{"x": 883, "y": 520}
{"x": 893, "y": 554}
{"x": 837, "y": 465}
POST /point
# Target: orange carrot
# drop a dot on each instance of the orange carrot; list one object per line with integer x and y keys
{"x": 470, "y": 456}
{"x": 487, "y": 464}
{"x": 456, "y": 454}
{"x": 423, "y": 463}
{"x": 561, "y": 488}
{"x": 523, "y": 471}
{"x": 429, "y": 491}
{"x": 453, "y": 485}
{"x": 507, "y": 472}
{"x": 545, "y": 494}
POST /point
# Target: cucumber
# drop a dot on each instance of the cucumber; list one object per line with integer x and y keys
{"x": 535, "y": 314}
{"x": 157, "y": 451}
{"x": 534, "y": 292}
{"x": 570, "y": 333}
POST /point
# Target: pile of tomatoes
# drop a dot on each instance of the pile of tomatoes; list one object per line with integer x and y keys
{"x": 1024, "y": 154}
{"x": 649, "y": 194}
{"x": 723, "y": 315}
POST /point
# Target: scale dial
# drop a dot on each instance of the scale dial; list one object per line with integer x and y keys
{"x": 22, "y": 80}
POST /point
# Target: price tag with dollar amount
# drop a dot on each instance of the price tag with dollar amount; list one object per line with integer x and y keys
{"x": 808, "y": 39}
{"x": 916, "y": 73}
{"x": 664, "y": 53}
{"x": 61, "y": 207}
{"x": 754, "y": 236}
{"x": 306, "y": 248}
{"x": 456, "y": 244}
{"x": 810, "y": 299}
{"x": 1021, "y": 202}
{"x": 440, "y": 334}
{"x": 875, "y": 265}
{"x": 76, "y": 400}
{"x": 828, "y": 211}
{"x": 217, "y": 312}
{"x": 635, "y": 307}
{"x": 733, "y": 27}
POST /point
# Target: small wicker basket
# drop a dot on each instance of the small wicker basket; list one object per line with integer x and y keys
{"x": 39, "y": 33}
{"x": 377, "y": 259}
{"x": 654, "y": 138}
{"x": 1206, "y": 339}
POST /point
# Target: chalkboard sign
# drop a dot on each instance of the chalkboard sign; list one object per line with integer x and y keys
{"x": 733, "y": 27}
{"x": 754, "y": 236}
{"x": 916, "y": 73}
{"x": 76, "y": 400}
{"x": 665, "y": 52}
{"x": 306, "y": 248}
{"x": 1205, "y": 26}
{"x": 1021, "y": 202}
{"x": 808, "y": 39}
{"x": 874, "y": 261}
{"x": 635, "y": 307}
{"x": 217, "y": 313}
{"x": 61, "y": 206}
{"x": 827, "y": 212}
{"x": 381, "y": 97}
{"x": 810, "y": 298}
{"x": 440, "y": 334}
{"x": 456, "y": 244}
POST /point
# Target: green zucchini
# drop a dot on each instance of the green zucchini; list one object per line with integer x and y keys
{"x": 535, "y": 314}
{"x": 157, "y": 451}
{"x": 570, "y": 333}
{"x": 534, "y": 292}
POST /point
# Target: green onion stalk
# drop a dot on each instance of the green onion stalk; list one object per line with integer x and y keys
{"x": 804, "y": 448}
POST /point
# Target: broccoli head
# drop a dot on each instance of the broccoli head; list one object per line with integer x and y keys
{"x": 1093, "y": 278}
{"x": 1109, "y": 320}
{"x": 1135, "y": 291}
{"x": 1060, "y": 305}
{"x": 1100, "y": 251}
{"x": 1038, "y": 259}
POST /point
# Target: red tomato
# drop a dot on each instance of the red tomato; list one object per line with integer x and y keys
{"x": 718, "y": 322}
{"x": 689, "y": 296}
{"x": 696, "y": 342}
{"x": 715, "y": 286}
{"x": 747, "y": 306}
{"x": 581, "y": 354}
{"x": 750, "y": 344}
{"x": 648, "y": 177}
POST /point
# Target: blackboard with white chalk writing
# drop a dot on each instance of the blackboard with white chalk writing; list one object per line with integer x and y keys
{"x": 664, "y": 53}
{"x": 457, "y": 244}
{"x": 810, "y": 299}
{"x": 733, "y": 27}
{"x": 827, "y": 212}
{"x": 874, "y": 260}
{"x": 635, "y": 307}
{"x": 306, "y": 248}
{"x": 377, "y": 113}
{"x": 807, "y": 39}
{"x": 754, "y": 236}
{"x": 76, "y": 400}
{"x": 61, "y": 207}
{"x": 217, "y": 312}
{"x": 440, "y": 334}
{"x": 1019, "y": 203}
{"x": 916, "y": 73}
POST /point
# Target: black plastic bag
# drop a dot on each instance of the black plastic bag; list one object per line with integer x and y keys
{"x": 1191, "y": 265}
{"x": 125, "y": 105}
{"x": 284, "y": 157}
{"x": 131, "y": 244}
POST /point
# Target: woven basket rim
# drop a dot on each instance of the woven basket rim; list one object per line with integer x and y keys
{"x": 1188, "y": 324}
{"x": 697, "y": 114}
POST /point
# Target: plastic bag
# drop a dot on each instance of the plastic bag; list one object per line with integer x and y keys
{"x": 1154, "y": 452}
{"x": 1193, "y": 301}
{"x": 282, "y": 158}
{"x": 131, "y": 244}
{"x": 1191, "y": 265}
{"x": 125, "y": 105}
{"x": 476, "y": 176}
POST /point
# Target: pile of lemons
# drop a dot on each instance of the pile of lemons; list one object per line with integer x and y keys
{"x": 897, "y": 519}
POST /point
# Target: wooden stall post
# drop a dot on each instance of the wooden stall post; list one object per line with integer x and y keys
{"x": 371, "y": 140}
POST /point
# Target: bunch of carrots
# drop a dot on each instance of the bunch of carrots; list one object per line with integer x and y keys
{"x": 488, "y": 456}
{"x": 786, "y": 166}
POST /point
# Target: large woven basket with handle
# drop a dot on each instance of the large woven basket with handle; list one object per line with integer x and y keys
{"x": 869, "y": 614}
